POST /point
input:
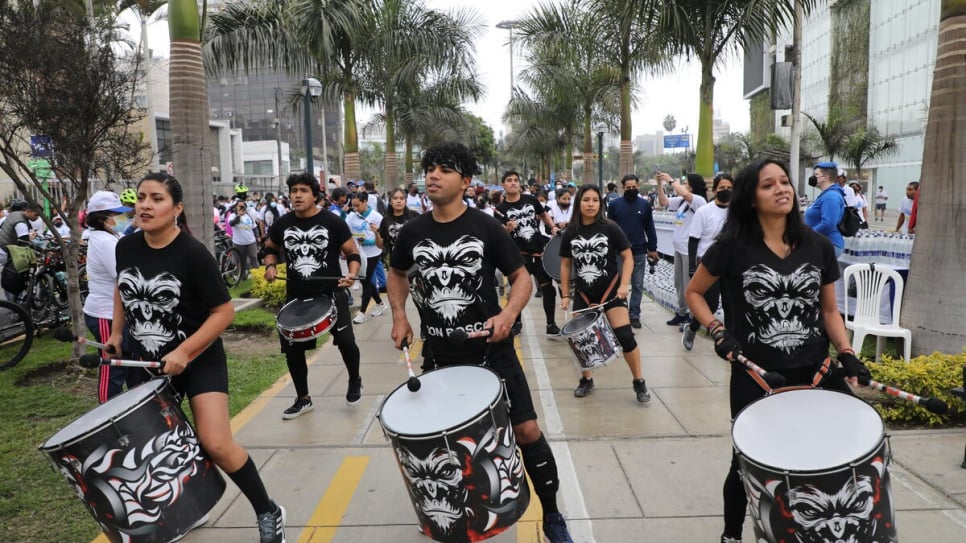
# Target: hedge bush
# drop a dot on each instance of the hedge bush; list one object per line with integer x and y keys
{"x": 272, "y": 294}
{"x": 931, "y": 375}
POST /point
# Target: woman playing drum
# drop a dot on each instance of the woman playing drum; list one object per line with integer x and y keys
{"x": 777, "y": 284}
{"x": 170, "y": 293}
{"x": 591, "y": 242}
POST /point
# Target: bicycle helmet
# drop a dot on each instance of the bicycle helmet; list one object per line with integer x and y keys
{"x": 241, "y": 188}
{"x": 129, "y": 196}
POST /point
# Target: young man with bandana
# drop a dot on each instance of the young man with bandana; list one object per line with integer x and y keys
{"x": 520, "y": 212}
{"x": 312, "y": 240}
{"x": 448, "y": 256}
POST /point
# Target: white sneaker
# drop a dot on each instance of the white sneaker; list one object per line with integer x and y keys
{"x": 379, "y": 310}
{"x": 360, "y": 318}
{"x": 356, "y": 285}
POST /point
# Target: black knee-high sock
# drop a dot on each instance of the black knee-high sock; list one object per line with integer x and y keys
{"x": 549, "y": 301}
{"x": 299, "y": 371}
{"x": 250, "y": 483}
{"x": 542, "y": 468}
{"x": 350, "y": 357}
{"x": 735, "y": 501}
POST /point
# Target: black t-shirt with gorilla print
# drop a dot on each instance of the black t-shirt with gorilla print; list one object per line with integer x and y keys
{"x": 594, "y": 249}
{"x": 527, "y": 212}
{"x": 167, "y": 293}
{"x": 391, "y": 224}
{"x": 451, "y": 277}
{"x": 312, "y": 247}
{"x": 772, "y": 304}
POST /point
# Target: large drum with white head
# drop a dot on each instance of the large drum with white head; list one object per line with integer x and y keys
{"x": 815, "y": 468}
{"x": 455, "y": 447}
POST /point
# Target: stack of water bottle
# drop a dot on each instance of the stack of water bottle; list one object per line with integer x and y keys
{"x": 878, "y": 247}
{"x": 660, "y": 285}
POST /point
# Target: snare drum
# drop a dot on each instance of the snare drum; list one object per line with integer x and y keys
{"x": 815, "y": 467}
{"x": 454, "y": 444}
{"x": 138, "y": 466}
{"x": 306, "y": 319}
{"x": 591, "y": 339}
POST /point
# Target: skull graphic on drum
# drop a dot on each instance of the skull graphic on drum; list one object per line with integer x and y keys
{"x": 306, "y": 250}
{"x": 590, "y": 257}
{"x": 779, "y": 316}
{"x": 447, "y": 279}
{"x": 465, "y": 491}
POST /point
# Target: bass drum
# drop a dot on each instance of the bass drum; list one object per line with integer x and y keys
{"x": 457, "y": 454}
{"x": 814, "y": 464}
{"x": 551, "y": 258}
{"x": 138, "y": 466}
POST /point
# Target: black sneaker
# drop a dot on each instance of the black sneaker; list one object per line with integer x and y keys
{"x": 584, "y": 387}
{"x": 271, "y": 526}
{"x": 640, "y": 388}
{"x": 555, "y": 529}
{"x": 553, "y": 330}
{"x": 678, "y": 320}
{"x": 635, "y": 323}
{"x": 300, "y": 407}
{"x": 687, "y": 339}
{"x": 354, "y": 393}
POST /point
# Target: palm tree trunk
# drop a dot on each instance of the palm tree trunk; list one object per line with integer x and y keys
{"x": 391, "y": 179}
{"x": 353, "y": 169}
{"x": 935, "y": 300}
{"x": 704, "y": 152}
{"x": 408, "y": 161}
{"x": 588, "y": 150}
{"x": 189, "y": 117}
{"x": 626, "y": 162}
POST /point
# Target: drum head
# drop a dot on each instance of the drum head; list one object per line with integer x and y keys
{"x": 807, "y": 430}
{"x": 447, "y": 398}
{"x": 105, "y": 412}
{"x": 580, "y": 322}
{"x": 304, "y": 312}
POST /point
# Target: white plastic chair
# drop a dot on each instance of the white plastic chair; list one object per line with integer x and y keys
{"x": 871, "y": 284}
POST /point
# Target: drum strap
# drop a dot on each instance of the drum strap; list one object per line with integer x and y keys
{"x": 603, "y": 298}
{"x": 760, "y": 380}
{"x": 823, "y": 371}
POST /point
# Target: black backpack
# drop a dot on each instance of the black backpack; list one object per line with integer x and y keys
{"x": 851, "y": 222}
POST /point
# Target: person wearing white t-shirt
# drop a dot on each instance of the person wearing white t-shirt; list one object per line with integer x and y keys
{"x": 364, "y": 223}
{"x": 102, "y": 209}
{"x": 843, "y": 180}
{"x": 689, "y": 197}
{"x": 560, "y": 208}
{"x": 243, "y": 227}
{"x": 702, "y": 232}
{"x": 881, "y": 199}
{"x": 414, "y": 202}
{"x": 905, "y": 208}
{"x": 861, "y": 203}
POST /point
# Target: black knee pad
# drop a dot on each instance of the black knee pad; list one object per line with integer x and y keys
{"x": 625, "y": 336}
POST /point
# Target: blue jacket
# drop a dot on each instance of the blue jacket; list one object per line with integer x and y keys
{"x": 825, "y": 213}
{"x": 637, "y": 221}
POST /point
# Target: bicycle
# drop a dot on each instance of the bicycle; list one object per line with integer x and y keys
{"x": 44, "y": 293}
{"x": 16, "y": 334}
{"x": 228, "y": 258}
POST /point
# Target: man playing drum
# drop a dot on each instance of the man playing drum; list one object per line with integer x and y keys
{"x": 312, "y": 241}
{"x": 448, "y": 257}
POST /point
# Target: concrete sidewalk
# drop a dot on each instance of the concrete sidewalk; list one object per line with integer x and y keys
{"x": 629, "y": 472}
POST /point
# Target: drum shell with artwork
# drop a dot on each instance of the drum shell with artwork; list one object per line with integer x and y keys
{"x": 454, "y": 444}
{"x": 138, "y": 466}
{"x": 305, "y": 319}
{"x": 592, "y": 340}
{"x": 814, "y": 464}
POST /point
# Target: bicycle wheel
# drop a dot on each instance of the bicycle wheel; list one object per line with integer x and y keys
{"x": 82, "y": 282}
{"x": 230, "y": 266}
{"x": 16, "y": 334}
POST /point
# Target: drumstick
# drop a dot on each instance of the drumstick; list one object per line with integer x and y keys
{"x": 412, "y": 383}
{"x": 459, "y": 335}
{"x": 93, "y": 361}
{"x": 774, "y": 379}
{"x": 933, "y": 405}
{"x": 326, "y": 278}
{"x": 64, "y": 334}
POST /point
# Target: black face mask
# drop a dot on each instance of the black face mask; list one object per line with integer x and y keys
{"x": 630, "y": 195}
{"x": 724, "y": 196}
{"x": 563, "y": 206}
{"x": 813, "y": 181}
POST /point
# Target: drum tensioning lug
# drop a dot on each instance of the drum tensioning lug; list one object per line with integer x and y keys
{"x": 122, "y": 439}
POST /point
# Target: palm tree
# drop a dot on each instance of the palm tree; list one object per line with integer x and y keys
{"x": 865, "y": 145}
{"x": 711, "y": 31}
{"x": 935, "y": 301}
{"x": 569, "y": 59}
{"x": 832, "y": 133}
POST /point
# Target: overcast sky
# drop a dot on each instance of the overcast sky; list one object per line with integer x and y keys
{"x": 676, "y": 94}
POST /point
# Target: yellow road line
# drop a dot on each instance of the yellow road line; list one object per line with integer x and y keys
{"x": 530, "y": 525}
{"x": 325, "y": 521}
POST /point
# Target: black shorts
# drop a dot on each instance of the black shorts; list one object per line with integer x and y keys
{"x": 502, "y": 358}
{"x": 534, "y": 265}
{"x": 206, "y": 373}
{"x": 341, "y": 331}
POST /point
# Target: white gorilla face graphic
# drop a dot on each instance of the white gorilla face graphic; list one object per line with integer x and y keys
{"x": 780, "y": 315}
{"x": 526, "y": 218}
{"x": 150, "y": 307}
{"x": 449, "y": 276}
{"x": 306, "y": 249}
{"x": 394, "y": 231}
{"x": 590, "y": 257}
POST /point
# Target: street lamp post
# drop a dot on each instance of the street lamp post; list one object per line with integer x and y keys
{"x": 508, "y": 25}
{"x": 600, "y": 158}
{"x": 310, "y": 87}
{"x": 278, "y": 138}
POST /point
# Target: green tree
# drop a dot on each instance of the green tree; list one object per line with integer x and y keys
{"x": 712, "y": 31}
{"x": 832, "y": 134}
{"x": 867, "y": 144}
{"x": 934, "y": 305}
